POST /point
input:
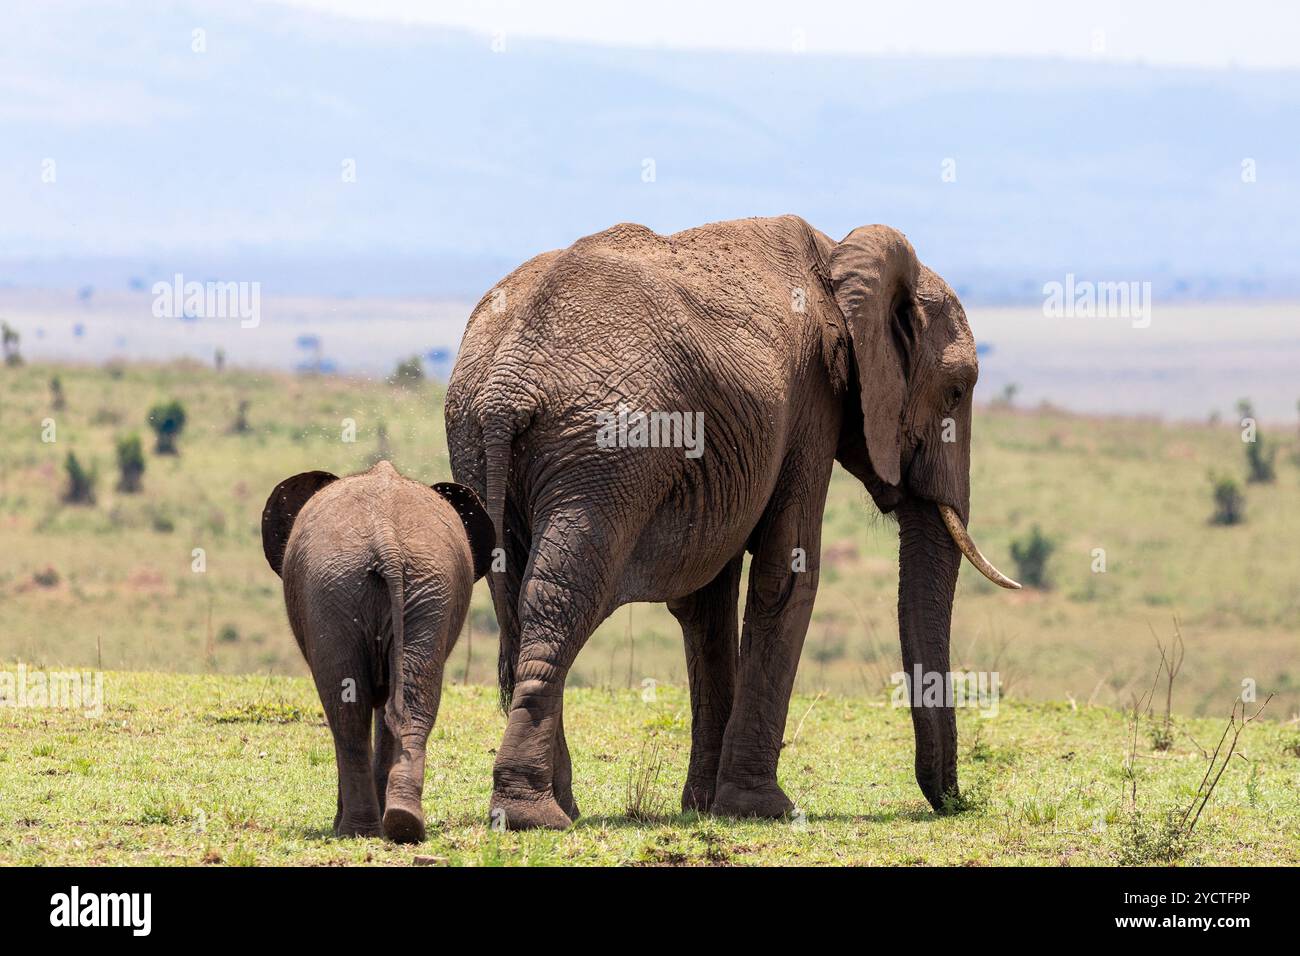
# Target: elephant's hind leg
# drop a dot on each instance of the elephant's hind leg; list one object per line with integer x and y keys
{"x": 430, "y": 634}
{"x": 344, "y": 686}
{"x": 387, "y": 747}
{"x": 562, "y": 771}
{"x": 708, "y": 621}
{"x": 563, "y": 598}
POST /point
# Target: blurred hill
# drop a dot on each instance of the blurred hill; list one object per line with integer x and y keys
{"x": 230, "y": 162}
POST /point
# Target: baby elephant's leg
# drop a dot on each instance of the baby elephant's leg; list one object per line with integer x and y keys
{"x": 343, "y": 682}
{"x": 425, "y": 647}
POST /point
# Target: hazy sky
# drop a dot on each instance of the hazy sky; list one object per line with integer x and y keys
{"x": 1257, "y": 34}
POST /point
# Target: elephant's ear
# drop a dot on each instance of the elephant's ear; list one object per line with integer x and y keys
{"x": 283, "y": 507}
{"x": 873, "y": 274}
{"x": 478, "y": 525}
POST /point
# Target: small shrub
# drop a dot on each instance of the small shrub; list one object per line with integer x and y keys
{"x": 1038, "y": 812}
{"x": 1162, "y": 737}
{"x": 47, "y": 577}
{"x": 1171, "y": 663}
{"x": 409, "y": 373}
{"x": 261, "y": 712}
{"x": 160, "y": 521}
{"x": 1229, "y": 502}
{"x": 383, "y": 447}
{"x": 240, "y": 425}
{"x": 9, "y": 339}
{"x": 1253, "y": 794}
{"x": 130, "y": 464}
{"x": 1146, "y": 841}
{"x": 81, "y": 483}
{"x": 163, "y": 809}
{"x": 167, "y": 419}
{"x": 1030, "y": 554}
{"x": 1007, "y": 397}
{"x": 1259, "y": 456}
{"x": 58, "y": 401}
{"x": 971, "y": 800}
{"x": 827, "y": 651}
{"x": 1295, "y": 456}
{"x": 644, "y": 803}
{"x": 1260, "y": 461}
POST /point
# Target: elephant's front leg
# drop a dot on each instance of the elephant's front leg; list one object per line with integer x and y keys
{"x": 708, "y": 621}
{"x": 782, "y": 586}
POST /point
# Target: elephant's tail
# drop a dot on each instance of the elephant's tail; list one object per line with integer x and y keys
{"x": 497, "y": 440}
{"x": 390, "y": 568}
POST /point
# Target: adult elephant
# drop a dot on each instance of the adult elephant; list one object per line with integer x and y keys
{"x": 797, "y": 352}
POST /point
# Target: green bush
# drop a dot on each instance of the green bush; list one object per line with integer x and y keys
{"x": 1229, "y": 502}
{"x": 1259, "y": 457}
{"x": 81, "y": 483}
{"x": 409, "y": 373}
{"x": 167, "y": 419}
{"x": 240, "y": 425}
{"x": 1259, "y": 461}
{"x": 130, "y": 463}
{"x": 1030, "y": 554}
{"x": 10, "y": 338}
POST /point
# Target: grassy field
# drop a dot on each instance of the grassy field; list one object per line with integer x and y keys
{"x": 206, "y": 769}
{"x": 116, "y": 584}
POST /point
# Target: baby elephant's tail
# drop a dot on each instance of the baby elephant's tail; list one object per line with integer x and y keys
{"x": 390, "y": 568}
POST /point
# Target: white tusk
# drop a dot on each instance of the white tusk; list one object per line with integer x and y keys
{"x": 959, "y": 534}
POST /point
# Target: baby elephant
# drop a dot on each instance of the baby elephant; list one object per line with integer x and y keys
{"x": 377, "y": 574}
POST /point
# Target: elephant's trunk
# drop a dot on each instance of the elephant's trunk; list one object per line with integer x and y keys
{"x": 928, "y": 563}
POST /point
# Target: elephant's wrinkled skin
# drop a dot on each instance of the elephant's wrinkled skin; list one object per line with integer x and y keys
{"x": 377, "y": 574}
{"x": 799, "y": 351}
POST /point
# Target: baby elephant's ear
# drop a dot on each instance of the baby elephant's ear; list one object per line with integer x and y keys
{"x": 478, "y": 526}
{"x": 283, "y": 507}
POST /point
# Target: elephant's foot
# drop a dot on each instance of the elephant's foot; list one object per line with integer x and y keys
{"x": 569, "y": 805}
{"x": 403, "y": 824}
{"x": 698, "y": 794}
{"x": 540, "y": 813}
{"x": 767, "y": 800}
{"x": 357, "y": 828}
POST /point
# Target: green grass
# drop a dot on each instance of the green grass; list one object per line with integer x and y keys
{"x": 207, "y": 769}
{"x": 114, "y": 584}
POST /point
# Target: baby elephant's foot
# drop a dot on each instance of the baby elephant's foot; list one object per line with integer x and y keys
{"x": 516, "y": 813}
{"x": 766, "y": 800}
{"x": 404, "y": 824}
